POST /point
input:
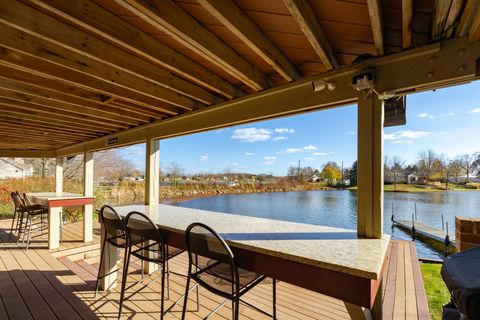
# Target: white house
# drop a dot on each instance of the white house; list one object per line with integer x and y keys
{"x": 14, "y": 168}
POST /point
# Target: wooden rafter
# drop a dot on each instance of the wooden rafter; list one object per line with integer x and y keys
{"x": 168, "y": 17}
{"x": 407, "y": 15}
{"x": 50, "y": 29}
{"x": 376, "y": 20}
{"x": 452, "y": 17}
{"x": 44, "y": 68}
{"x": 470, "y": 10}
{"x": 102, "y": 23}
{"x": 45, "y": 127}
{"x": 474, "y": 33}
{"x": 49, "y": 88}
{"x": 233, "y": 17}
{"x": 440, "y": 14}
{"x": 306, "y": 19}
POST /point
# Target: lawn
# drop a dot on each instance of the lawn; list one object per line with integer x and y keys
{"x": 437, "y": 293}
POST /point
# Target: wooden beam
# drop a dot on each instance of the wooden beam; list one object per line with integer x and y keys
{"x": 152, "y": 172}
{"x": 19, "y": 102}
{"x": 104, "y": 24}
{"x": 303, "y": 13}
{"x": 376, "y": 20}
{"x": 455, "y": 62}
{"x": 452, "y": 17}
{"x": 168, "y": 17}
{"x": 370, "y": 167}
{"x": 53, "y": 53}
{"x": 439, "y": 19}
{"x": 407, "y": 15}
{"x": 27, "y": 153}
{"x": 9, "y": 90}
{"x": 44, "y": 68}
{"x": 474, "y": 33}
{"x": 470, "y": 10}
{"x": 52, "y": 89}
{"x": 88, "y": 191}
{"x": 233, "y": 17}
{"x": 10, "y": 128}
{"x": 47, "y": 28}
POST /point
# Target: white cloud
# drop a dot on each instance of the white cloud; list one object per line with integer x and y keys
{"x": 235, "y": 164}
{"x": 425, "y": 115}
{"x": 251, "y": 134}
{"x": 474, "y": 111}
{"x": 269, "y": 160}
{"x": 284, "y": 130}
{"x": 351, "y": 132}
{"x": 204, "y": 157}
{"x": 293, "y": 150}
{"x": 309, "y": 148}
{"x": 319, "y": 154}
{"x": 279, "y": 138}
{"x": 404, "y": 134}
{"x": 402, "y": 141}
{"x": 451, "y": 114}
{"x": 308, "y": 159}
{"x": 249, "y": 153}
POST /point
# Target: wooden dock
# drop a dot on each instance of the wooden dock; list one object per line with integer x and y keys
{"x": 425, "y": 231}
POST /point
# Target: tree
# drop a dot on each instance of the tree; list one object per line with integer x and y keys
{"x": 426, "y": 162}
{"x": 110, "y": 165}
{"x": 351, "y": 174}
{"x": 394, "y": 170}
{"x": 175, "y": 170}
{"x": 470, "y": 163}
{"x": 455, "y": 168}
{"x": 307, "y": 172}
{"x": 330, "y": 172}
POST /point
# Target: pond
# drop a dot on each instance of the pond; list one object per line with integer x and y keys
{"x": 339, "y": 209}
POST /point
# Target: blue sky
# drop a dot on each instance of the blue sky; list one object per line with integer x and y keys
{"x": 445, "y": 120}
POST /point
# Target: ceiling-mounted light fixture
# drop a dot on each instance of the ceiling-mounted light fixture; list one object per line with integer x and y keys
{"x": 320, "y": 84}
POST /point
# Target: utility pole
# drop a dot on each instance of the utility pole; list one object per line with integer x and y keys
{"x": 298, "y": 171}
{"x": 341, "y": 173}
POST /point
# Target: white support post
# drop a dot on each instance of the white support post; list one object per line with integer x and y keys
{"x": 59, "y": 175}
{"x": 370, "y": 167}
{"x": 88, "y": 191}
{"x": 55, "y": 213}
{"x": 152, "y": 184}
{"x": 152, "y": 172}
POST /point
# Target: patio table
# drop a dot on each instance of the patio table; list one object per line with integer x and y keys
{"x": 55, "y": 201}
{"x": 331, "y": 261}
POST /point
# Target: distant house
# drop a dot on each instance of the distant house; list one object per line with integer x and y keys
{"x": 315, "y": 178}
{"x": 14, "y": 168}
{"x": 414, "y": 178}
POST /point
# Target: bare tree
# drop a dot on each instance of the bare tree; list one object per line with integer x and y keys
{"x": 470, "y": 164}
{"x": 426, "y": 162}
{"x": 455, "y": 168}
{"x": 175, "y": 170}
{"x": 394, "y": 170}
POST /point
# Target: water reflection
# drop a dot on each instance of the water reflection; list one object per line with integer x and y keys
{"x": 339, "y": 208}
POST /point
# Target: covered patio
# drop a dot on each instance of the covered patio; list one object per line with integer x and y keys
{"x": 82, "y": 76}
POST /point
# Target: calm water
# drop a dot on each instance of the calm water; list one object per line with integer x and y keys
{"x": 339, "y": 209}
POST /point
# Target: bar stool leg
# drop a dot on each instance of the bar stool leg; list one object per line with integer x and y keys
{"x": 274, "y": 297}
{"x": 124, "y": 279}
{"x": 102, "y": 252}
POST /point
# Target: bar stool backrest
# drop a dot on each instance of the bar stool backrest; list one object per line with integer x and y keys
{"x": 17, "y": 201}
{"x": 114, "y": 226}
{"x": 145, "y": 238}
{"x": 27, "y": 200}
{"x": 214, "y": 252}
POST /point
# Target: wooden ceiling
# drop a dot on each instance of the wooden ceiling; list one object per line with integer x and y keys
{"x": 75, "y": 70}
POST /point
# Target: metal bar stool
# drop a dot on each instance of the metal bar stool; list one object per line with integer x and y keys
{"x": 212, "y": 265}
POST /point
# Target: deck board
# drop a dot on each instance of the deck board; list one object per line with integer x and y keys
{"x": 39, "y": 283}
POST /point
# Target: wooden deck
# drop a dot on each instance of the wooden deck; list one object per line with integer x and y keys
{"x": 427, "y": 231}
{"x": 39, "y": 284}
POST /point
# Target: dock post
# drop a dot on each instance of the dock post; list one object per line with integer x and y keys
{"x": 447, "y": 241}
{"x": 443, "y": 223}
{"x": 413, "y": 226}
{"x": 415, "y": 211}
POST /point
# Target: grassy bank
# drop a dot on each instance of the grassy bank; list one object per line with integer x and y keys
{"x": 403, "y": 187}
{"x": 437, "y": 293}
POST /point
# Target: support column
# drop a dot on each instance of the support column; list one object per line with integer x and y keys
{"x": 55, "y": 213}
{"x": 152, "y": 172}
{"x": 152, "y": 184}
{"x": 88, "y": 191}
{"x": 370, "y": 167}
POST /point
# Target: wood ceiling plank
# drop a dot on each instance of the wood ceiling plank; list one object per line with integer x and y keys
{"x": 41, "y": 125}
{"x": 6, "y": 127}
{"x": 35, "y": 138}
{"x": 407, "y": 14}
{"x": 32, "y": 21}
{"x": 306, "y": 19}
{"x": 233, "y": 17}
{"x": 50, "y": 52}
{"x": 168, "y": 17}
{"x": 129, "y": 107}
{"x": 470, "y": 10}
{"x": 8, "y": 108}
{"x": 474, "y": 33}
{"x": 16, "y": 90}
{"x": 452, "y": 18}
{"x": 36, "y": 104}
{"x": 102, "y": 23}
{"x": 43, "y": 68}
{"x": 53, "y": 89}
{"x": 440, "y": 14}
{"x": 376, "y": 20}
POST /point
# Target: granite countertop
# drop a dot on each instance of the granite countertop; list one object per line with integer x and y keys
{"x": 331, "y": 248}
{"x": 56, "y": 195}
